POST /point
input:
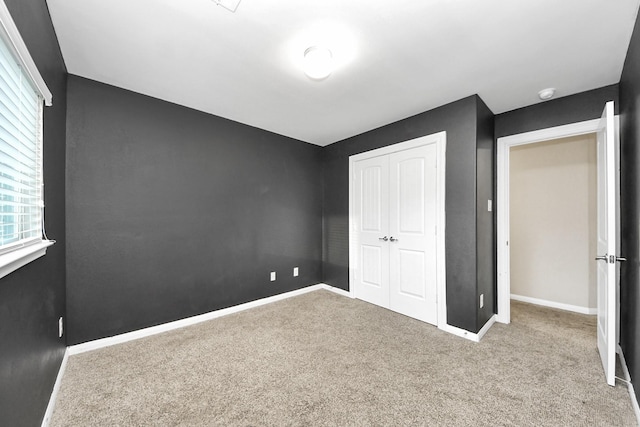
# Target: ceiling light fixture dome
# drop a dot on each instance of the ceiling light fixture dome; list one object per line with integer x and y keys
{"x": 318, "y": 62}
{"x": 547, "y": 93}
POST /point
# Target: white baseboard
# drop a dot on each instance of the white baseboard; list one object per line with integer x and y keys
{"x": 56, "y": 388}
{"x": 463, "y": 333}
{"x": 486, "y": 327}
{"x": 153, "y": 330}
{"x": 627, "y": 377}
{"x": 336, "y": 290}
{"x": 141, "y": 333}
{"x": 553, "y": 304}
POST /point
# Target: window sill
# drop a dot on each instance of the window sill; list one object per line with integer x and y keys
{"x": 13, "y": 260}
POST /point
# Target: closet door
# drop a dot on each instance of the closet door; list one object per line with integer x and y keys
{"x": 412, "y": 233}
{"x": 371, "y": 193}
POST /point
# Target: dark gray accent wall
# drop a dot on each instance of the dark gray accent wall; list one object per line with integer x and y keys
{"x": 32, "y": 298}
{"x": 459, "y": 120}
{"x": 630, "y": 208}
{"x": 172, "y": 212}
{"x": 485, "y": 219}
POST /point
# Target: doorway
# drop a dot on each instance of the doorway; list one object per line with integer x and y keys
{"x": 504, "y": 146}
{"x": 552, "y": 186}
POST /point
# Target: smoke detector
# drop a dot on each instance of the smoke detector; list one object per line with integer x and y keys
{"x": 547, "y": 93}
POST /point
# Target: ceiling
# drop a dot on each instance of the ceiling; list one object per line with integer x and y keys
{"x": 393, "y": 59}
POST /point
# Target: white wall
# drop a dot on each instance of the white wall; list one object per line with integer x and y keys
{"x": 553, "y": 221}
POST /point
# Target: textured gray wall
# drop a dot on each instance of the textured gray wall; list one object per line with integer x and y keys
{"x": 33, "y": 297}
{"x": 173, "y": 212}
{"x": 485, "y": 220}
{"x": 630, "y": 208}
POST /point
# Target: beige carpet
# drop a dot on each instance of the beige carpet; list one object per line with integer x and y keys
{"x": 321, "y": 359}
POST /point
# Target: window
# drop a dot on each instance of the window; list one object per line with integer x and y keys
{"x": 20, "y": 156}
{"x": 22, "y": 96}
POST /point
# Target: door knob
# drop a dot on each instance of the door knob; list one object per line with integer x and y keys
{"x": 621, "y": 259}
{"x": 392, "y": 239}
{"x": 601, "y": 258}
{"x": 384, "y": 239}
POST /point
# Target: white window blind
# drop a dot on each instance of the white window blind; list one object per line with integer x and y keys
{"x": 23, "y": 92}
{"x": 20, "y": 155}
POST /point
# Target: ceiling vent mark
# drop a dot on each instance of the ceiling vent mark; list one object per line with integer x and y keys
{"x": 231, "y": 5}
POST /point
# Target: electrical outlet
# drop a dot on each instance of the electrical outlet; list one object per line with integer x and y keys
{"x": 481, "y": 300}
{"x": 273, "y": 276}
{"x": 60, "y": 327}
{"x": 295, "y": 272}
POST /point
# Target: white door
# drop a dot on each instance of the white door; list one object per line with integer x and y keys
{"x": 412, "y": 233}
{"x": 606, "y": 246}
{"x": 396, "y": 217}
{"x": 372, "y": 210}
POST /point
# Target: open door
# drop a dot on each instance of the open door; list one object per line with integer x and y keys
{"x": 606, "y": 246}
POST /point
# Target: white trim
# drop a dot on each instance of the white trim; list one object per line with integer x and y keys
{"x": 353, "y": 241}
{"x": 338, "y": 291}
{"x": 56, "y": 388}
{"x": 564, "y": 131}
{"x": 11, "y": 261}
{"x": 400, "y": 146}
{"x": 486, "y": 327}
{"x": 441, "y": 262}
{"x": 10, "y": 33}
{"x": 627, "y": 377}
{"x": 504, "y": 144}
{"x": 463, "y": 333}
{"x": 440, "y": 140}
{"x": 158, "y": 329}
{"x": 553, "y": 304}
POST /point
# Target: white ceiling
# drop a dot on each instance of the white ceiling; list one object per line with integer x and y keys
{"x": 394, "y": 58}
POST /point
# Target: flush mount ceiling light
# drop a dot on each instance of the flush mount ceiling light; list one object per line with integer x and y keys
{"x": 318, "y": 62}
{"x": 231, "y": 5}
{"x": 548, "y": 93}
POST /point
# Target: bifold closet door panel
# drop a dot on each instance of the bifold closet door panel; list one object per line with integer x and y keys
{"x": 412, "y": 230}
{"x": 372, "y": 234}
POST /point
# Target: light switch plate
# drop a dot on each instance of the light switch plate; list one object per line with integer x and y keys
{"x": 273, "y": 276}
{"x": 489, "y": 205}
{"x": 295, "y": 272}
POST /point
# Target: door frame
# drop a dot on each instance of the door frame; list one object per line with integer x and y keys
{"x": 503, "y": 147}
{"x": 440, "y": 139}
